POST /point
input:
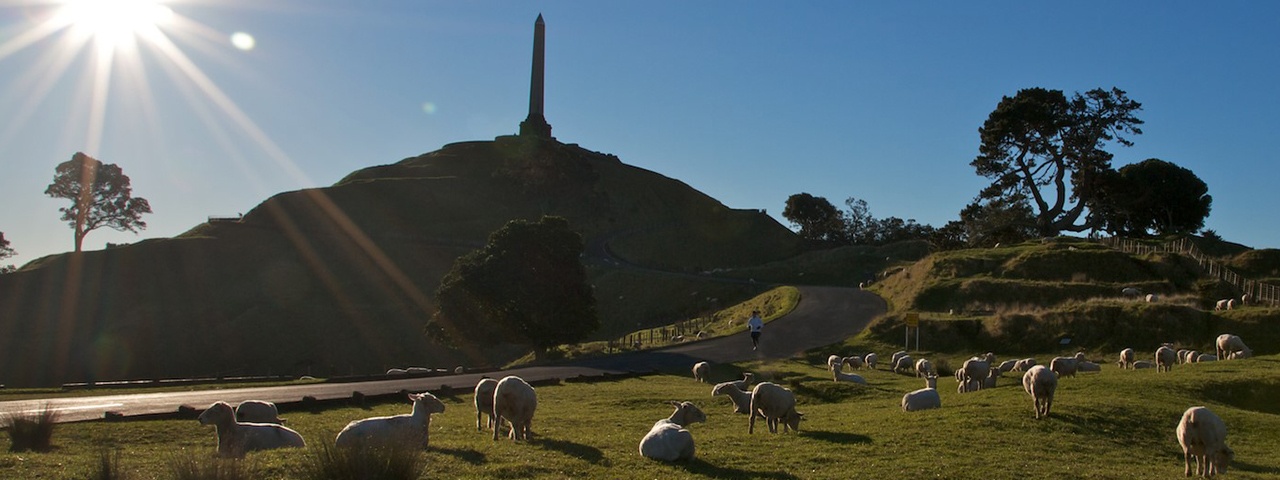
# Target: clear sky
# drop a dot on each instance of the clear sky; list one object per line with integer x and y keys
{"x": 232, "y": 101}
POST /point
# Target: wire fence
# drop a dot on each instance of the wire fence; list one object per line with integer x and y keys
{"x": 1257, "y": 292}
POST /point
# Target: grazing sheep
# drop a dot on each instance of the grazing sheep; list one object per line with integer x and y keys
{"x": 459, "y": 370}
{"x": 257, "y": 411}
{"x": 484, "y": 402}
{"x": 990, "y": 381}
{"x": 1246, "y": 299}
{"x": 1063, "y": 366}
{"x": 236, "y": 438}
{"x": 1228, "y": 343}
{"x": 515, "y": 401}
{"x": 896, "y": 355}
{"x": 406, "y": 429}
{"x": 924, "y": 368}
{"x": 870, "y": 360}
{"x": 1240, "y": 354}
{"x": 1131, "y": 292}
{"x": 989, "y": 357}
{"x": 396, "y": 371}
{"x": 1222, "y": 304}
{"x": 1193, "y": 356}
{"x": 668, "y": 440}
{"x": 854, "y": 362}
{"x": 1203, "y": 436}
{"x": 976, "y": 369}
{"x": 1152, "y": 298}
{"x": 834, "y": 362}
{"x": 1231, "y": 304}
{"x": 741, "y": 399}
{"x": 1040, "y": 383}
{"x": 700, "y": 370}
{"x": 924, "y": 398}
{"x": 1024, "y": 364}
{"x": 1087, "y": 366}
{"x": 839, "y": 376}
{"x": 1182, "y": 355}
{"x": 1206, "y": 357}
{"x": 1007, "y": 366}
{"x": 1165, "y": 358}
{"x": 1140, "y": 364}
{"x": 1127, "y": 357}
{"x": 904, "y": 365}
{"x": 776, "y": 405}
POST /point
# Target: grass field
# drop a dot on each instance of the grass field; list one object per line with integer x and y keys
{"x": 1113, "y": 424}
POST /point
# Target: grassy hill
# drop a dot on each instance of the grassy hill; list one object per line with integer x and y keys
{"x": 340, "y": 280}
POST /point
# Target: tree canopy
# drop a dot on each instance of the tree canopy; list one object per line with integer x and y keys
{"x": 6, "y": 251}
{"x": 1048, "y": 150}
{"x": 1152, "y": 196}
{"x": 816, "y": 217}
{"x": 525, "y": 286}
{"x": 100, "y": 196}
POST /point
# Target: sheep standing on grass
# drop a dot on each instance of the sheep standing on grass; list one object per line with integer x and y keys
{"x": 1127, "y": 357}
{"x": 407, "y": 429}
{"x": 1007, "y": 366}
{"x": 1063, "y": 366}
{"x": 258, "y": 411}
{"x": 515, "y": 401}
{"x": 1024, "y": 365}
{"x": 854, "y": 362}
{"x": 924, "y": 368}
{"x": 904, "y": 365}
{"x": 1203, "y": 436}
{"x": 484, "y": 402}
{"x": 896, "y": 355}
{"x": 668, "y": 440}
{"x": 1228, "y": 343}
{"x": 1040, "y": 383}
{"x": 700, "y": 370}
{"x": 1246, "y": 299}
{"x": 235, "y": 438}
{"x": 741, "y": 399}
{"x": 1165, "y": 358}
{"x": 870, "y": 360}
{"x": 924, "y": 398}
{"x": 1221, "y": 304}
{"x": 776, "y": 405}
{"x": 976, "y": 369}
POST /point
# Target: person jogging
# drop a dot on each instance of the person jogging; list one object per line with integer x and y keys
{"x": 755, "y": 325}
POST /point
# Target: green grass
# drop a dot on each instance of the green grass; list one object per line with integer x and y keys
{"x": 1113, "y": 424}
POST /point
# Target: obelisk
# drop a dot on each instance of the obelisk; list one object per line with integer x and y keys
{"x": 536, "y": 125}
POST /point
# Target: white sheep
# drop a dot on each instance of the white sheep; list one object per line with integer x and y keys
{"x": 1007, "y": 366}
{"x": 834, "y": 362}
{"x": 1246, "y": 299}
{"x": 1131, "y": 292}
{"x": 1222, "y": 304}
{"x": 700, "y": 370}
{"x": 459, "y": 370}
{"x": 1193, "y": 357}
{"x": 1240, "y": 354}
{"x": 1040, "y": 383}
{"x": 1165, "y": 358}
{"x": 1024, "y": 364}
{"x": 1140, "y": 364}
{"x": 1184, "y": 356}
{"x": 1203, "y": 436}
{"x": 515, "y": 401}
{"x": 1063, "y": 366}
{"x": 741, "y": 399}
{"x": 976, "y": 369}
{"x": 236, "y": 438}
{"x": 854, "y": 362}
{"x": 747, "y": 378}
{"x": 776, "y": 405}
{"x": 1127, "y": 357}
{"x": 1087, "y": 366}
{"x": 870, "y": 360}
{"x": 924, "y": 368}
{"x": 396, "y": 371}
{"x": 1231, "y": 304}
{"x": 1206, "y": 357}
{"x": 406, "y": 429}
{"x": 904, "y": 365}
{"x": 990, "y": 381}
{"x": 1152, "y": 298}
{"x": 1228, "y": 343}
{"x": 669, "y": 440}
{"x": 840, "y": 376}
{"x": 989, "y": 357}
{"x": 924, "y": 398}
{"x": 484, "y": 402}
{"x": 893, "y": 360}
{"x": 257, "y": 411}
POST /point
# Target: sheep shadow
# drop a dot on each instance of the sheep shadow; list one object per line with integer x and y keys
{"x": 697, "y": 466}
{"x": 1249, "y": 467}
{"x": 471, "y": 456}
{"x": 583, "y": 452}
{"x": 836, "y": 437}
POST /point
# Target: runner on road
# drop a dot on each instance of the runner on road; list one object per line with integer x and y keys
{"x": 755, "y": 325}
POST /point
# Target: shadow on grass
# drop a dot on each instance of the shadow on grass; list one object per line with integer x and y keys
{"x": 1249, "y": 467}
{"x": 835, "y": 437}
{"x": 578, "y": 450}
{"x": 468, "y": 455}
{"x": 697, "y": 466}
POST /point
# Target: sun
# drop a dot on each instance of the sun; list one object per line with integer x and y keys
{"x": 114, "y": 23}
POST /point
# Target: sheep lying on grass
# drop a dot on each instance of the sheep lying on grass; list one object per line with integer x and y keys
{"x": 1087, "y": 366}
{"x": 1024, "y": 365}
{"x": 235, "y": 438}
{"x": 258, "y": 411}
{"x": 515, "y": 401}
{"x": 484, "y": 402}
{"x": 407, "y": 429}
{"x": 1040, "y": 383}
{"x": 839, "y": 376}
{"x": 1203, "y": 436}
{"x": 668, "y": 440}
{"x": 741, "y": 399}
{"x": 1206, "y": 357}
{"x": 1007, "y": 366}
{"x": 1140, "y": 364}
{"x": 700, "y": 370}
{"x": 747, "y": 378}
{"x": 924, "y": 398}
{"x": 777, "y": 405}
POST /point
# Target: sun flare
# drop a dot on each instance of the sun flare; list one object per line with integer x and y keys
{"x": 113, "y": 23}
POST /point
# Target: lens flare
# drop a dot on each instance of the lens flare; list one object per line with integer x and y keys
{"x": 243, "y": 41}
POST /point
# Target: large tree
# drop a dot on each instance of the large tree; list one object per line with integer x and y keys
{"x": 816, "y": 217}
{"x": 1049, "y": 150}
{"x": 100, "y": 196}
{"x": 1152, "y": 196}
{"x": 527, "y": 285}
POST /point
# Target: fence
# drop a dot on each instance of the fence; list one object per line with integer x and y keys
{"x": 658, "y": 336}
{"x": 1261, "y": 292}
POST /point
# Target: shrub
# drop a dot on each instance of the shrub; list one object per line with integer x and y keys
{"x": 210, "y": 468}
{"x": 327, "y": 462}
{"x": 108, "y": 467}
{"x": 31, "y": 430}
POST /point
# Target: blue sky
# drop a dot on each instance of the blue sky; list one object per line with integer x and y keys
{"x": 749, "y": 102}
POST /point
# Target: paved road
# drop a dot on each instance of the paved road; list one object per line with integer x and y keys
{"x": 824, "y": 315}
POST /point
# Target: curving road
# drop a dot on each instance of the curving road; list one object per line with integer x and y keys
{"x": 825, "y": 315}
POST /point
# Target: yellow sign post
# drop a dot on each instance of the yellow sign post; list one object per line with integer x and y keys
{"x": 912, "y": 320}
